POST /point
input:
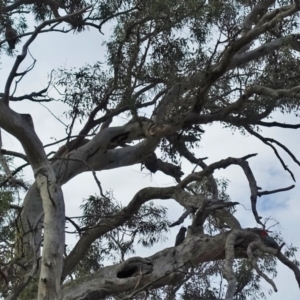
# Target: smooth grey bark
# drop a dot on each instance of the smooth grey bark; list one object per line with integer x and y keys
{"x": 166, "y": 265}
{"x": 92, "y": 156}
{"x": 163, "y": 268}
{"x": 52, "y": 200}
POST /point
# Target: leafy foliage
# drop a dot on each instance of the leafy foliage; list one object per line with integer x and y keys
{"x": 187, "y": 59}
{"x": 148, "y": 227}
{"x": 10, "y": 231}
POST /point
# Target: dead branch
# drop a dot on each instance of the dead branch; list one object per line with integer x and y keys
{"x": 15, "y": 154}
{"x": 278, "y": 124}
{"x": 183, "y": 217}
{"x": 290, "y": 265}
{"x": 262, "y": 193}
{"x": 266, "y": 141}
{"x": 224, "y": 164}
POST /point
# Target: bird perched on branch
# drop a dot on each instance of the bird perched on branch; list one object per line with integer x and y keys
{"x": 180, "y": 236}
{"x": 268, "y": 240}
{"x": 10, "y": 35}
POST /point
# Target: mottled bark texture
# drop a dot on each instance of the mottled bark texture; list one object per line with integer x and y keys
{"x": 51, "y": 195}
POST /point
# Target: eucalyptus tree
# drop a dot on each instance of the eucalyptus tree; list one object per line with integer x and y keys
{"x": 183, "y": 64}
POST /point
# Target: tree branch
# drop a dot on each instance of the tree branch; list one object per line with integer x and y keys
{"x": 22, "y": 56}
{"x": 106, "y": 225}
{"x": 252, "y": 246}
{"x": 291, "y": 265}
{"x": 263, "y": 193}
{"x": 117, "y": 278}
{"x": 266, "y": 141}
{"x": 278, "y": 124}
{"x": 15, "y": 154}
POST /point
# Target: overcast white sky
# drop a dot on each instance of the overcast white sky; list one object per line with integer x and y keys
{"x": 56, "y": 50}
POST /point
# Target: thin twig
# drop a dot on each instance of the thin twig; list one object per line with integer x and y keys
{"x": 266, "y": 141}
{"x": 22, "y": 56}
{"x": 91, "y": 169}
{"x": 74, "y": 224}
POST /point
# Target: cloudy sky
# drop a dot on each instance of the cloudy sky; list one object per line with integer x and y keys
{"x": 74, "y": 50}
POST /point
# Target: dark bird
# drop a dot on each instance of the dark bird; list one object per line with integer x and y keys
{"x": 10, "y": 35}
{"x": 180, "y": 236}
{"x": 151, "y": 162}
{"x": 268, "y": 240}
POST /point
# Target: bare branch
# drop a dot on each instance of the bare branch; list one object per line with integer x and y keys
{"x": 183, "y": 217}
{"x": 224, "y": 164}
{"x": 266, "y": 141}
{"x": 91, "y": 169}
{"x": 31, "y": 97}
{"x": 15, "y": 154}
{"x": 262, "y": 193}
{"x": 21, "y": 57}
{"x": 13, "y": 173}
{"x": 291, "y": 265}
{"x": 277, "y": 124}
{"x": 75, "y": 225}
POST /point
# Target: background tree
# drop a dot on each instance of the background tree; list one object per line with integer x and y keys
{"x": 170, "y": 69}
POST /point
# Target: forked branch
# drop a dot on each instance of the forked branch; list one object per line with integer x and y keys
{"x": 22, "y": 56}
